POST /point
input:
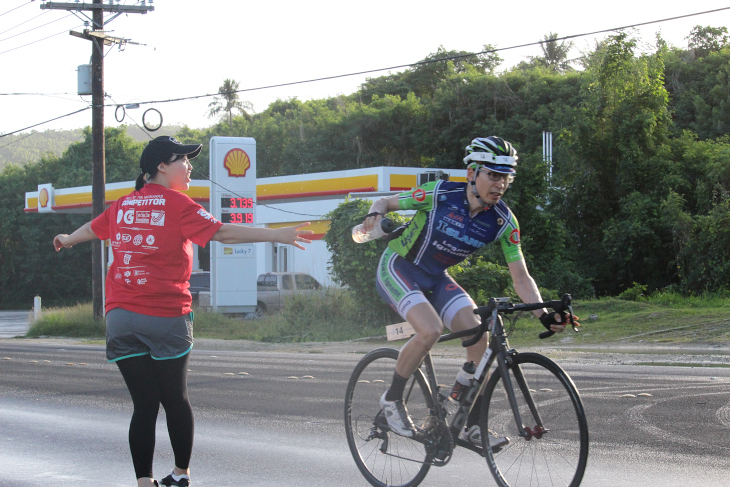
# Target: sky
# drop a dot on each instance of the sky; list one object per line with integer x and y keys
{"x": 191, "y": 46}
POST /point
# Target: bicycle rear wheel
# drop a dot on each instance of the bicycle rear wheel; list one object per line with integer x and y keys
{"x": 385, "y": 458}
{"x": 555, "y": 451}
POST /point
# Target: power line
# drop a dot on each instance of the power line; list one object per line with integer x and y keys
{"x": 36, "y": 94}
{"x": 33, "y": 18}
{"x": 16, "y": 8}
{"x": 39, "y": 40}
{"x": 448, "y": 58}
{"x": 430, "y": 61}
{"x": 34, "y": 28}
{"x": 41, "y": 123}
{"x": 18, "y": 140}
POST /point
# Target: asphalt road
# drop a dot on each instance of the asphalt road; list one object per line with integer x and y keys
{"x": 14, "y": 323}
{"x": 64, "y": 413}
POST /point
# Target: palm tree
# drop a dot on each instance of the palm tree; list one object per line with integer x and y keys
{"x": 554, "y": 55}
{"x": 228, "y": 101}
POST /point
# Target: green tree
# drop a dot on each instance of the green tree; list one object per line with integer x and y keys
{"x": 354, "y": 265}
{"x": 28, "y": 263}
{"x": 229, "y": 101}
{"x": 703, "y": 40}
{"x": 554, "y": 55}
{"x": 611, "y": 175}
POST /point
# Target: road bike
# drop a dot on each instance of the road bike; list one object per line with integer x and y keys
{"x": 527, "y": 398}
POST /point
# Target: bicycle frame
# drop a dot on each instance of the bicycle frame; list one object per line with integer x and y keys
{"x": 497, "y": 351}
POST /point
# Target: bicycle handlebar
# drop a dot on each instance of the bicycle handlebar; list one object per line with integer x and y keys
{"x": 484, "y": 312}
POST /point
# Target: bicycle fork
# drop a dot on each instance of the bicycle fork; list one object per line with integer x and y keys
{"x": 503, "y": 361}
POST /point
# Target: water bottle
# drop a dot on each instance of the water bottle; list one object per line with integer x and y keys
{"x": 463, "y": 381}
{"x": 385, "y": 225}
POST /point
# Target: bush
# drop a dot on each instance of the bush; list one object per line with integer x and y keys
{"x": 334, "y": 316}
{"x": 634, "y": 293}
{"x": 354, "y": 265}
{"x": 483, "y": 279}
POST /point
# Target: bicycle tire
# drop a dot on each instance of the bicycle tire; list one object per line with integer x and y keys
{"x": 556, "y": 457}
{"x": 405, "y": 462}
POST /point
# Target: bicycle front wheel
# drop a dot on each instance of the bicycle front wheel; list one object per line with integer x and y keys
{"x": 385, "y": 458}
{"x": 554, "y": 448}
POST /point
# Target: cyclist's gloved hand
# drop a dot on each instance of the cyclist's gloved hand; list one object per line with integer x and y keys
{"x": 548, "y": 319}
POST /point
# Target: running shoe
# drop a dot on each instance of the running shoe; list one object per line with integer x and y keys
{"x": 474, "y": 436}
{"x": 169, "y": 481}
{"x": 397, "y": 415}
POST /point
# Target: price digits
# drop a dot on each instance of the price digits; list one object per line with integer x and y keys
{"x": 236, "y": 202}
{"x": 237, "y": 217}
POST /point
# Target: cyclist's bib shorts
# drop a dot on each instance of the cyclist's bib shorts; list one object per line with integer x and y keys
{"x": 404, "y": 285}
{"x": 130, "y": 334}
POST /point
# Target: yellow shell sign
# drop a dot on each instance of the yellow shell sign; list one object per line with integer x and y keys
{"x": 237, "y": 163}
{"x": 43, "y": 197}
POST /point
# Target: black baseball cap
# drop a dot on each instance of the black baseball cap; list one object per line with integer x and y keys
{"x": 162, "y": 148}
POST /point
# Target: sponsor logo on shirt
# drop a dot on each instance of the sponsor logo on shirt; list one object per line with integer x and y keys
{"x": 120, "y": 214}
{"x": 500, "y": 221}
{"x": 147, "y": 201}
{"x": 129, "y": 217}
{"x": 137, "y": 239}
{"x": 142, "y": 281}
{"x": 128, "y": 281}
{"x": 419, "y": 195}
{"x": 157, "y": 218}
{"x": 514, "y": 237}
{"x": 119, "y": 235}
{"x": 206, "y": 215}
{"x": 117, "y": 276}
{"x": 140, "y": 273}
{"x": 127, "y": 258}
{"x": 142, "y": 217}
{"x": 150, "y": 239}
{"x": 126, "y": 238}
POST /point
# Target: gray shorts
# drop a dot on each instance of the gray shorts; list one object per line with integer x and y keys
{"x": 130, "y": 334}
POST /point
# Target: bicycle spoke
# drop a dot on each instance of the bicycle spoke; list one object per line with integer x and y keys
{"x": 384, "y": 458}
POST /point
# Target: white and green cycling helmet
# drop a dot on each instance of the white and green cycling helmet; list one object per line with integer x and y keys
{"x": 492, "y": 152}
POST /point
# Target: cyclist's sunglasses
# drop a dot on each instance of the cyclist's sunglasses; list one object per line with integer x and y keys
{"x": 497, "y": 176}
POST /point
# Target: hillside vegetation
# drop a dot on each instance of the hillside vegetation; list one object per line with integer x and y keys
{"x": 638, "y": 193}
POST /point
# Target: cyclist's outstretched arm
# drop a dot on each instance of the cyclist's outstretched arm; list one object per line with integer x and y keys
{"x": 383, "y": 206}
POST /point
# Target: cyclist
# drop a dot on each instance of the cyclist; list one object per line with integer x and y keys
{"x": 452, "y": 221}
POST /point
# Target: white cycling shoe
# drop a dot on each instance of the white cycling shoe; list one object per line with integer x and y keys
{"x": 397, "y": 415}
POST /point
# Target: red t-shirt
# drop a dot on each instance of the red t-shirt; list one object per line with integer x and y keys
{"x": 151, "y": 232}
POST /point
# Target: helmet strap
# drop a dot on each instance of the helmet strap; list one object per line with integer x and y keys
{"x": 476, "y": 194}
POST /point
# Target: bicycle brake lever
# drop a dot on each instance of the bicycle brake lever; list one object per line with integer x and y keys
{"x": 572, "y": 320}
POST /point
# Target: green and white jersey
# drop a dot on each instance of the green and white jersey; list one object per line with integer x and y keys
{"x": 442, "y": 233}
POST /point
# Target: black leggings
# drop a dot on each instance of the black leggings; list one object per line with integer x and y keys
{"x": 151, "y": 383}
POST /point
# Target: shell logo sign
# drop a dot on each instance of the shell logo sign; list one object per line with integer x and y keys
{"x": 43, "y": 197}
{"x": 237, "y": 163}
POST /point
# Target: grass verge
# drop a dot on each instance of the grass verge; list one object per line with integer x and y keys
{"x": 336, "y": 316}
{"x": 74, "y": 321}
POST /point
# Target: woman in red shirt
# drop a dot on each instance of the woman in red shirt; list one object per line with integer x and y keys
{"x": 149, "y": 319}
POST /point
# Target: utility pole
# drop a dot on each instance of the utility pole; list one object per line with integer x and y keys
{"x": 98, "y": 169}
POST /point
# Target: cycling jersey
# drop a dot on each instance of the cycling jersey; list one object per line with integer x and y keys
{"x": 442, "y": 233}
